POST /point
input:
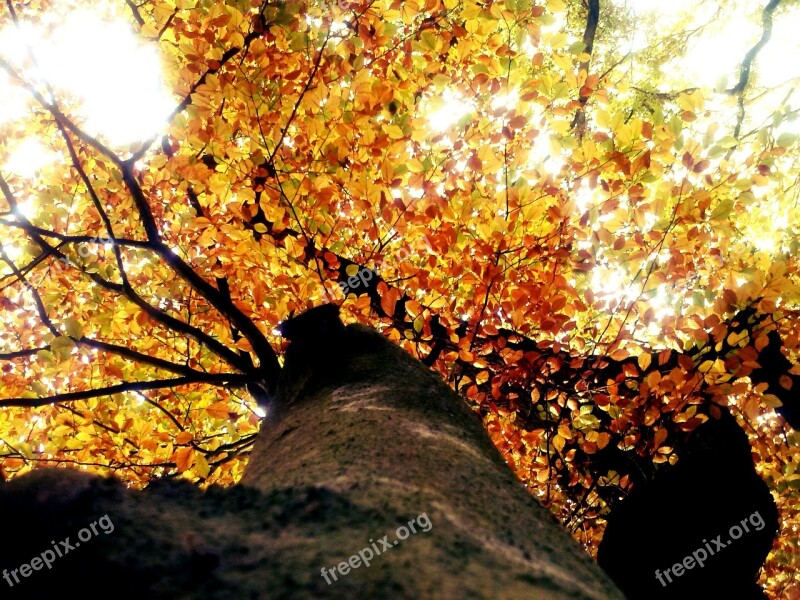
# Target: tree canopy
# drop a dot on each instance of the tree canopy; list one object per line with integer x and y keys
{"x": 582, "y": 214}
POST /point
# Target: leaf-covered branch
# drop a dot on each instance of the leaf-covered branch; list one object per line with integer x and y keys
{"x": 138, "y": 386}
{"x": 127, "y": 291}
{"x": 589, "y": 33}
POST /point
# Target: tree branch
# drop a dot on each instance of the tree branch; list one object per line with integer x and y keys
{"x": 135, "y": 12}
{"x": 766, "y": 33}
{"x": 269, "y": 365}
{"x": 224, "y": 59}
{"x": 138, "y": 386}
{"x": 126, "y": 291}
{"x": 592, "y": 20}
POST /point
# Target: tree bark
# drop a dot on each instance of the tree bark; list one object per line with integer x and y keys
{"x": 364, "y": 452}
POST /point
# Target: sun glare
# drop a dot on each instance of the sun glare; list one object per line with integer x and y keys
{"x": 676, "y": 7}
{"x": 545, "y": 155}
{"x": 96, "y": 63}
{"x": 713, "y": 59}
{"x": 716, "y": 50}
{"x": 777, "y": 62}
{"x": 13, "y": 103}
{"x": 613, "y": 283}
{"x": 447, "y": 110}
{"x": 28, "y": 157}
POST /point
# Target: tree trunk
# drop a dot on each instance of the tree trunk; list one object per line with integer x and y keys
{"x": 370, "y": 478}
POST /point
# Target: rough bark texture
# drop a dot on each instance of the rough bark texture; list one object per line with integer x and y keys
{"x": 361, "y": 441}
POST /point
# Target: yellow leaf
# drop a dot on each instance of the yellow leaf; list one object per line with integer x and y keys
{"x": 201, "y": 467}
{"x": 394, "y": 132}
{"x": 644, "y": 360}
{"x": 735, "y": 338}
{"x": 62, "y": 346}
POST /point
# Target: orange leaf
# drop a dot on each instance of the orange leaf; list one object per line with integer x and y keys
{"x": 663, "y": 357}
{"x": 660, "y": 437}
{"x": 219, "y": 410}
{"x": 244, "y": 344}
{"x": 630, "y": 370}
{"x": 413, "y": 308}
{"x": 112, "y": 370}
{"x": 388, "y": 300}
{"x": 183, "y": 458}
{"x": 619, "y": 354}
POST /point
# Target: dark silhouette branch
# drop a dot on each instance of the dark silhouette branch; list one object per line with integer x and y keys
{"x": 222, "y": 300}
{"x": 138, "y": 357}
{"x": 592, "y": 20}
{"x": 747, "y": 63}
{"x": 135, "y": 12}
{"x": 89, "y": 342}
{"x": 126, "y": 291}
{"x": 665, "y": 95}
{"x": 138, "y": 386}
{"x": 21, "y": 353}
{"x": 75, "y": 239}
{"x": 76, "y": 163}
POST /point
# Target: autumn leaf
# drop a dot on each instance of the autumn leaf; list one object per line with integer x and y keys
{"x": 183, "y": 458}
{"x": 218, "y": 410}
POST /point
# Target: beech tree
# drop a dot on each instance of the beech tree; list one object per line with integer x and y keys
{"x": 365, "y": 448}
{"x": 548, "y": 204}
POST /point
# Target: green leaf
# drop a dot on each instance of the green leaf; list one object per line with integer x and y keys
{"x": 723, "y": 209}
{"x": 786, "y": 139}
{"x": 45, "y": 356}
{"x": 62, "y": 346}
{"x": 74, "y": 328}
{"x": 577, "y": 47}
